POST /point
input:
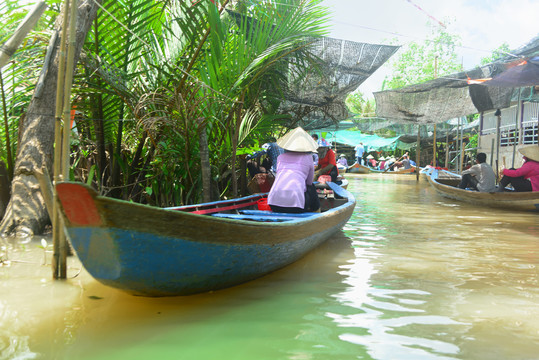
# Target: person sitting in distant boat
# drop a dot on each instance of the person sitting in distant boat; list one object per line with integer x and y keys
{"x": 293, "y": 190}
{"x": 382, "y": 163}
{"x": 371, "y": 161}
{"x": 525, "y": 178}
{"x": 479, "y": 177}
{"x": 327, "y": 165}
{"x": 406, "y": 162}
{"x": 390, "y": 163}
{"x": 342, "y": 160}
{"x": 315, "y": 154}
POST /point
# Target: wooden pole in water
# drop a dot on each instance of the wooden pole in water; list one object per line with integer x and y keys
{"x": 417, "y": 155}
{"x": 66, "y": 148}
{"x": 57, "y": 232}
{"x": 434, "y": 147}
{"x": 446, "y": 163}
{"x": 516, "y": 138}
{"x": 498, "y": 114}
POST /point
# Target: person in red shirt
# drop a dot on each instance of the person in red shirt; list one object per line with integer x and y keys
{"x": 327, "y": 164}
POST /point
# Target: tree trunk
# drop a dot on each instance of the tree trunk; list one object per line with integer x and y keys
{"x": 4, "y": 188}
{"x": 26, "y": 213}
{"x": 204, "y": 161}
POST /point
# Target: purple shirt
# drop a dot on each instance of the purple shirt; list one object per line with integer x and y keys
{"x": 529, "y": 170}
{"x": 294, "y": 172}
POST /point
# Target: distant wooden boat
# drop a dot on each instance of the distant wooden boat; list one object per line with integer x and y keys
{"x": 401, "y": 171}
{"x": 445, "y": 183}
{"x": 358, "y": 169}
{"x": 342, "y": 169}
{"x": 185, "y": 250}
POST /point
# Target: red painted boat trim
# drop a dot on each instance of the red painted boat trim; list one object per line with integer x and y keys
{"x": 79, "y": 206}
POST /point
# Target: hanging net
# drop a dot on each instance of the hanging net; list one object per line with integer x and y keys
{"x": 453, "y": 95}
{"x": 317, "y": 100}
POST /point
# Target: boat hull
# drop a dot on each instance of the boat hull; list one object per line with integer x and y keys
{"x": 358, "y": 169}
{"x": 525, "y": 201}
{"x": 166, "y": 252}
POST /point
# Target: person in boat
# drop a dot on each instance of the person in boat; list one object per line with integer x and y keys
{"x": 327, "y": 165}
{"x": 525, "y": 178}
{"x": 359, "y": 149}
{"x": 479, "y": 177}
{"x": 382, "y": 163}
{"x": 272, "y": 150}
{"x": 371, "y": 161}
{"x": 293, "y": 190}
{"x": 406, "y": 162}
{"x": 315, "y": 154}
{"x": 342, "y": 160}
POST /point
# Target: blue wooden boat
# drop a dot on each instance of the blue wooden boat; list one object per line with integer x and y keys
{"x": 186, "y": 250}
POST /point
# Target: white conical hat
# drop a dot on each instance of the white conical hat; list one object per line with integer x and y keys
{"x": 298, "y": 140}
{"x": 531, "y": 152}
{"x": 370, "y": 157}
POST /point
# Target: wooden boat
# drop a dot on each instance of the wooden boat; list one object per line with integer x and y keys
{"x": 401, "y": 171}
{"x": 358, "y": 169}
{"x": 342, "y": 169}
{"x": 185, "y": 250}
{"x": 445, "y": 183}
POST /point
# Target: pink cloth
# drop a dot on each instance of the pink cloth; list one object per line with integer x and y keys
{"x": 294, "y": 172}
{"x": 529, "y": 170}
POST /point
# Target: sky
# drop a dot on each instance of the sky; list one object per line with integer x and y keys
{"x": 483, "y": 25}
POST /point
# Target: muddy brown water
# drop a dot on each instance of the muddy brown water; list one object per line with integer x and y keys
{"x": 411, "y": 276}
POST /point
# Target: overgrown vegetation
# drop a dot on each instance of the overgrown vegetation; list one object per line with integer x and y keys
{"x": 158, "y": 79}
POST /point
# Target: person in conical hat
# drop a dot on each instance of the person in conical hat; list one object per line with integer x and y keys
{"x": 525, "y": 178}
{"x": 342, "y": 160}
{"x": 327, "y": 163}
{"x": 293, "y": 190}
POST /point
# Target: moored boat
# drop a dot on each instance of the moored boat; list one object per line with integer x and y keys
{"x": 399, "y": 171}
{"x": 446, "y": 184}
{"x": 185, "y": 250}
{"x": 358, "y": 169}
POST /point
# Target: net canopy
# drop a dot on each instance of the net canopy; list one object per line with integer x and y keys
{"x": 317, "y": 99}
{"x": 451, "y": 96}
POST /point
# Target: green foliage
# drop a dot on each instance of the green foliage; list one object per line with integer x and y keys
{"x": 420, "y": 62}
{"x": 358, "y": 105}
{"x": 20, "y": 74}
{"x": 500, "y": 52}
{"x": 156, "y": 75}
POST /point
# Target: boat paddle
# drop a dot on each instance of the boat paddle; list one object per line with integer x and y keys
{"x": 389, "y": 167}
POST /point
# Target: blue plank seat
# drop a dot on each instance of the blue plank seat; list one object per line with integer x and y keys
{"x": 261, "y": 215}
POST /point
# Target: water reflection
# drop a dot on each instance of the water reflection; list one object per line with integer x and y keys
{"x": 411, "y": 276}
{"x": 436, "y": 282}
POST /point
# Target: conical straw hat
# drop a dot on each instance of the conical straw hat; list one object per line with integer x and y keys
{"x": 298, "y": 140}
{"x": 531, "y": 152}
{"x": 370, "y": 157}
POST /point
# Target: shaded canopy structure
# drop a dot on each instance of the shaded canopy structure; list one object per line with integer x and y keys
{"x": 371, "y": 142}
{"x": 453, "y": 95}
{"x": 317, "y": 100}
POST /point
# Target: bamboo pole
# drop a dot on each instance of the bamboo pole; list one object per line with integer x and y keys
{"x": 57, "y": 233}
{"x": 498, "y": 124}
{"x": 417, "y": 154}
{"x": 8, "y": 49}
{"x": 446, "y": 163}
{"x": 517, "y": 128}
{"x": 434, "y": 147}
{"x": 66, "y": 148}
